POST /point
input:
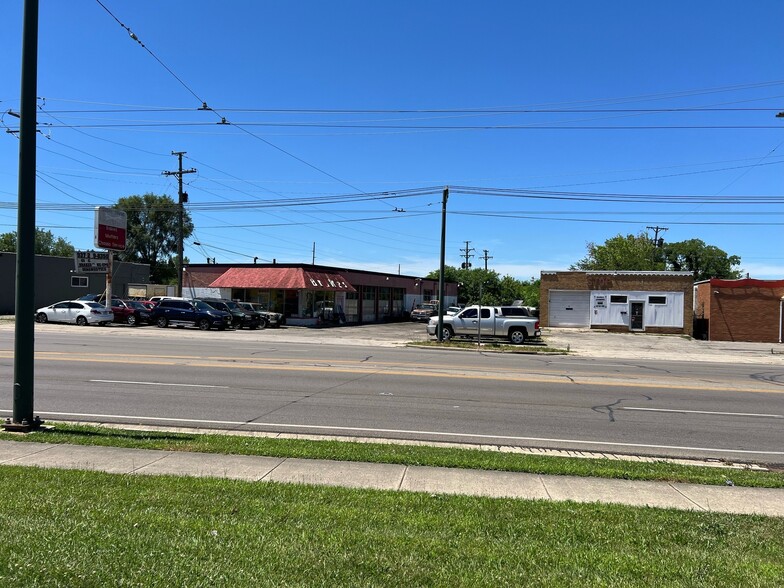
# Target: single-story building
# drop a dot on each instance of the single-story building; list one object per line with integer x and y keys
{"x": 56, "y": 278}
{"x": 649, "y": 301}
{"x": 739, "y": 310}
{"x": 311, "y": 294}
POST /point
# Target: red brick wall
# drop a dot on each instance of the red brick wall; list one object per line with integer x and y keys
{"x": 745, "y": 314}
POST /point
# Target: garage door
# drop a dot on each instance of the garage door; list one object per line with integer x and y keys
{"x": 570, "y": 308}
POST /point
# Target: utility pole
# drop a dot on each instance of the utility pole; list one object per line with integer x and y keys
{"x": 656, "y": 233}
{"x": 313, "y": 260}
{"x": 22, "y": 419}
{"x": 442, "y": 263}
{"x": 486, "y": 257}
{"x": 467, "y": 254}
{"x": 182, "y": 198}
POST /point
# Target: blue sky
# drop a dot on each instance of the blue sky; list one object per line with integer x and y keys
{"x": 355, "y": 98}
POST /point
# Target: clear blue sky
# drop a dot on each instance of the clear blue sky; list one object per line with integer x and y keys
{"x": 417, "y": 94}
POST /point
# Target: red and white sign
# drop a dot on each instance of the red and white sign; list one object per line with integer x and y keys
{"x": 111, "y": 226}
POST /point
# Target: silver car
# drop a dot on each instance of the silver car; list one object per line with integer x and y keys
{"x": 80, "y": 312}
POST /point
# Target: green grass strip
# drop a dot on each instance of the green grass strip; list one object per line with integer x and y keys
{"x": 402, "y": 454}
{"x": 78, "y": 528}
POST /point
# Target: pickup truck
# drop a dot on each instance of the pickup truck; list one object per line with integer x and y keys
{"x": 493, "y": 323}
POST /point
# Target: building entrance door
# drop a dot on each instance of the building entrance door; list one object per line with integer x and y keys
{"x": 636, "y": 323}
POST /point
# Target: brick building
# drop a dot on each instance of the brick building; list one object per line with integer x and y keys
{"x": 739, "y": 310}
{"x": 654, "y": 302}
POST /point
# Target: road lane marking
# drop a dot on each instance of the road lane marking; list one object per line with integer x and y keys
{"x": 747, "y": 414}
{"x": 136, "y": 419}
{"x": 416, "y": 371}
{"x": 157, "y": 384}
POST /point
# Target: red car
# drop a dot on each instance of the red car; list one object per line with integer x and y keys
{"x": 132, "y": 312}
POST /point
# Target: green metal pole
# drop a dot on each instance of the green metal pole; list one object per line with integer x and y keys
{"x": 440, "y": 331}
{"x": 24, "y": 340}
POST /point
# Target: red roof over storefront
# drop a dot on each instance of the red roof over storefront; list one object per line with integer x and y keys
{"x": 282, "y": 278}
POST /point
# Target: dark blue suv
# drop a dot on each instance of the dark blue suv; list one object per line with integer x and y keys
{"x": 179, "y": 312}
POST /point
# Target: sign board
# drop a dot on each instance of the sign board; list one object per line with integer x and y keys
{"x": 600, "y": 301}
{"x": 91, "y": 261}
{"x": 111, "y": 226}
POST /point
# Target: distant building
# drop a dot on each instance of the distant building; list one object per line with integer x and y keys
{"x": 311, "y": 294}
{"x": 644, "y": 301}
{"x": 56, "y": 279}
{"x": 739, "y": 310}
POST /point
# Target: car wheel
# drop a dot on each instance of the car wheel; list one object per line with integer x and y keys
{"x": 162, "y": 322}
{"x": 41, "y": 317}
{"x": 263, "y": 324}
{"x": 204, "y": 324}
{"x": 447, "y": 333}
{"x": 517, "y": 336}
{"x": 81, "y": 321}
{"x": 132, "y": 320}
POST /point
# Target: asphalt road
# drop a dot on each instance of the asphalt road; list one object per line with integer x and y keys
{"x": 291, "y": 380}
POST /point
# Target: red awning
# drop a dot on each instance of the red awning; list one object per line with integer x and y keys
{"x": 283, "y": 278}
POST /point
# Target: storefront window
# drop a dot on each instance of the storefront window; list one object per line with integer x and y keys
{"x": 352, "y": 307}
{"x": 368, "y": 303}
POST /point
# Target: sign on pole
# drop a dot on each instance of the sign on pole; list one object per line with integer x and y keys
{"x": 111, "y": 226}
{"x": 91, "y": 261}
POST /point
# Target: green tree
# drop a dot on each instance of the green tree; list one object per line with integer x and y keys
{"x": 623, "y": 253}
{"x": 152, "y": 234}
{"x": 704, "y": 261}
{"x": 487, "y": 287}
{"x": 45, "y": 244}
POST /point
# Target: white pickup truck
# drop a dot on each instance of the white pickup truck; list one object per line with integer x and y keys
{"x": 493, "y": 323}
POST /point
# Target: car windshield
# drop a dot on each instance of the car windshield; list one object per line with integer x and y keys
{"x": 136, "y": 304}
{"x": 232, "y": 305}
{"x": 94, "y": 305}
{"x": 203, "y": 305}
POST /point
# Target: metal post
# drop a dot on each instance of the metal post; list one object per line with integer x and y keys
{"x": 24, "y": 328}
{"x": 440, "y": 331}
{"x": 109, "y": 269}
{"x": 181, "y": 197}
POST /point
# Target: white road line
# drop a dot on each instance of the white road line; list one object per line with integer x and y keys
{"x": 156, "y": 384}
{"x": 136, "y": 419}
{"x": 747, "y": 414}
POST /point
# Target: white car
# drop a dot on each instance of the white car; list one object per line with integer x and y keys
{"x": 81, "y": 312}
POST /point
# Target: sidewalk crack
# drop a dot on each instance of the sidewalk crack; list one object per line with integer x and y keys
{"x": 135, "y": 469}
{"x": 546, "y": 491}
{"x": 403, "y": 477}
{"x": 282, "y": 461}
{"x": 699, "y": 506}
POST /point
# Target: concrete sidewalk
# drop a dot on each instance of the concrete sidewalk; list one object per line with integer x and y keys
{"x": 495, "y": 484}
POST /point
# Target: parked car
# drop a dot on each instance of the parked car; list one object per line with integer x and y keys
{"x": 131, "y": 312}
{"x": 486, "y": 321}
{"x": 273, "y": 319}
{"x": 180, "y": 312}
{"x": 240, "y": 317}
{"x": 423, "y": 312}
{"x": 80, "y": 312}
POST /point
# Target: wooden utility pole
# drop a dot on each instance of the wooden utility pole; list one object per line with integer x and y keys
{"x": 182, "y": 197}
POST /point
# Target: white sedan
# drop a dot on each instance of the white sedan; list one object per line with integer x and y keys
{"x": 80, "y": 312}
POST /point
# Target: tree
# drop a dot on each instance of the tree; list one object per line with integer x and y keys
{"x": 487, "y": 287}
{"x": 45, "y": 244}
{"x": 152, "y": 234}
{"x": 629, "y": 253}
{"x": 704, "y": 261}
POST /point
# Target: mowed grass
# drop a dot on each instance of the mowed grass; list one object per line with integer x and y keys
{"x": 78, "y": 528}
{"x": 402, "y": 454}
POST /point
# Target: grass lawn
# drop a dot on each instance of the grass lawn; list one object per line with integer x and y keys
{"x": 76, "y": 528}
{"x": 401, "y": 454}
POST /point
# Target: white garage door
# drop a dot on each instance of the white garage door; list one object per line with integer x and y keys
{"x": 570, "y": 308}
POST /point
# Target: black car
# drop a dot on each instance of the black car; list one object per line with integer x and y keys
{"x": 180, "y": 312}
{"x": 240, "y": 317}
